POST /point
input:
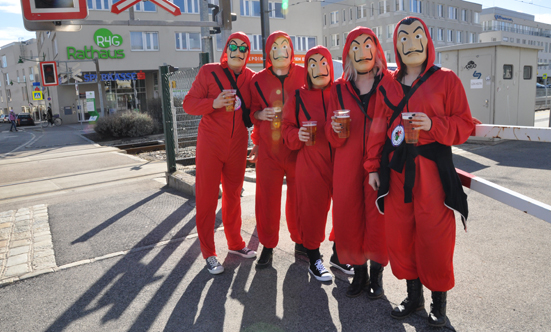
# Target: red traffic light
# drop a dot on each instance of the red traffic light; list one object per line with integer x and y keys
{"x": 48, "y": 70}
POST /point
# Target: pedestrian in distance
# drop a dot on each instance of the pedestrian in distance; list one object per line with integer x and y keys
{"x": 359, "y": 228}
{"x": 271, "y": 88}
{"x": 220, "y": 93}
{"x": 50, "y": 117}
{"x": 13, "y": 118}
{"x": 413, "y": 170}
{"x": 304, "y": 113}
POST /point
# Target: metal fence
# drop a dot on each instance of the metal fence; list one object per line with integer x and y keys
{"x": 185, "y": 125}
{"x": 543, "y": 98}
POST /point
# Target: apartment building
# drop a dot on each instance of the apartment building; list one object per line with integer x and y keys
{"x": 16, "y": 78}
{"x": 130, "y": 56}
{"x": 499, "y": 24}
{"x": 449, "y": 22}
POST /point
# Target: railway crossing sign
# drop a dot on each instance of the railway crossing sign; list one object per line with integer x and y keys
{"x": 164, "y": 4}
{"x": 37, "y": 95}
{"x": 54, "y": 10}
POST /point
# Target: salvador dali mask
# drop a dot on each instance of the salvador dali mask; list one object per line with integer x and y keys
{"x": 319, "y": 71}
{"x": 280, "y": 53}
{"x": 237, "y": 53}
{"x": 412, "y": 44}
{"x": 362, "y": 52}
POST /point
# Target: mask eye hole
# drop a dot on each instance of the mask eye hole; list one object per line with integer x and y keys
{"x": 274, "y": 48}
{"x": 312, "y": 65}
{"x": 368, "y": 46}
{"x": 419, "y": 36}
{"x": 403, "y": 39}
{"x": 355, "y": 48}
{"x": 324, "y": 63}
{"x": 284, "y": 47}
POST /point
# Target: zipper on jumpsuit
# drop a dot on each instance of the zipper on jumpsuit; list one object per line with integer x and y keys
{"x": 325, "y": 117}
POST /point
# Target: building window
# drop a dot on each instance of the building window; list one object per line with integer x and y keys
{"x": 440, "y": 34}
{"x": 372, "y": 9}
{"x": 452, "y": 13}
{"x": 431, "y": 32}
{"x": 325, "y": 41}
{"x": 303, "y": 43}
{"x": 186, "y": 6}
{"x": 17, "y": 73}
{"x": 527, "y": 73}
{"x": 464, "y": 15}
{"x": 256, "y": 42}
{"x": 399, "y": 5}
{"x": 361, "y": 12}
{"x": 415, "y": 6}
{"x": 378, "y": 32}
{"x": 99, "y": 4}
{"x": 382, "y": 7}
{"x": 335, "y": 42}
{"x": 144, "y": 41}
{"x": 4, "y": 61}
{"x": 344, "y": 15}
{"x": 471, "y": 37}
{"x": 350, "y": 12}
{"x": 24, "y": 77}
{"x": 438, "y": 58}
{"x": 7, "y": 79}
{"x": 8, "y": 94}
{"x": 459, "y": 36}
{"x": 188, "y": 41}
{"x": 389, "y": 30}
{"x": 507, "y": 72}
{"x": 450, "y": 35}
{"x": 476, "y": 18}
{"x": 324, "y": 19}
{"x": 145, "y": 6}
{"x": 334, "y": 17}
{"x": 388, "y": 55}
{"x": 275, "y": 10}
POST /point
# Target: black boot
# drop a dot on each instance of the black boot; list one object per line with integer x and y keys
{"x": 375, "y": 281}
{"x": 265, "y": 257}
{"x": 437, "y": 316}
{"x": 413, "y": 302}
{"x": 360, "y": 281}
{"x": 334, "y": 262}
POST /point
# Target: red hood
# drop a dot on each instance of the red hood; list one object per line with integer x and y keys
{"x": 271, "y": 39}
{"x": 323, "y": 51}
{"x": 239, "y": 35}
{"x": 431, "y": 54}
{"x": 355, "y": 33}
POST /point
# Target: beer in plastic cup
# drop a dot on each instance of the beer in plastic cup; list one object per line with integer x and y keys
{"x": 412, "y": 135}
{"x": 276, "y": 121}
{"x": 230, "y": 95}
{"x": 312, "y": 128}
{"x": 343, "y": 117}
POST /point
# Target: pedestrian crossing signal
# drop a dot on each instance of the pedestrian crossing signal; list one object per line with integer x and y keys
{"x": 37, "y": 95}
{"x": 49, "y": 73}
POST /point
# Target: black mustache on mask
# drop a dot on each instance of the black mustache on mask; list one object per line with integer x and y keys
{"x": 415, "y": 51}
{"x": 364, "y": 59}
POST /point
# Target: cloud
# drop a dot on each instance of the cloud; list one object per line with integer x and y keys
{"x": 10, "y": 6}
{"x": 543, "y": 18}
{"x": 12, "y": 34}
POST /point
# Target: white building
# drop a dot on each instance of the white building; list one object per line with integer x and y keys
{"x": 499, "y": 24}
{"x": 449, "y": 22}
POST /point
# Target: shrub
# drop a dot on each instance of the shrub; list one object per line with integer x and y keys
{"x": 127, "y": 124}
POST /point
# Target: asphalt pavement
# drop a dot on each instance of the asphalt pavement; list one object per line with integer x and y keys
{"x": 128, "y": 258}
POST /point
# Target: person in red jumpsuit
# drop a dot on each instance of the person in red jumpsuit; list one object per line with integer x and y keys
{"x": 314, "y": 166}
{"x": 359, "y": 233}
{"x": 221, "y": 145}
{"x": 418, "y": 186}
{"x": 271, "y": 88}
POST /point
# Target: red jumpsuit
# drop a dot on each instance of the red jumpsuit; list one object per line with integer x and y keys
{"x": 314, "y": 167}
{"x": 421, "y": 234}
{"x": 274, "y": 160}
{"x": 358, "y": 227}
{"x": 221, "y": 152}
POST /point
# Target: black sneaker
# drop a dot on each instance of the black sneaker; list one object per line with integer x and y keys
{"x": 345, "y": 268}
{"x": 300, "y": 250}
{"x": 265, "y": 257}
{"x": 319, "y": 271}
{"x": 214, "y": 266}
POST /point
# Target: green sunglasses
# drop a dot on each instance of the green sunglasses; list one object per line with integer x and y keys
{"x": 242, "y": 49}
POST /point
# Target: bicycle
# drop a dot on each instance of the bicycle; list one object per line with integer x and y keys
{"x": 55, "y": 119}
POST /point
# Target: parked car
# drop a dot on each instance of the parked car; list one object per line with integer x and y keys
{"x": 24, "y": 119}
{"x": 4, "y": 118}
{"x": 540, "y": 86}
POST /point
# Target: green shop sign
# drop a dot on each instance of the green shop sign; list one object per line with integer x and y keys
{"x": 103, "y": 39}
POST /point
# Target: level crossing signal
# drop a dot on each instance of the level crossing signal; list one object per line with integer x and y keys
{"x": 48, "y": 70}
{"x": 54, "y": 10}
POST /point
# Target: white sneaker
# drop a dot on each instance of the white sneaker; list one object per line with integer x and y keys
{"x": 320, "y": 272}
{"x": 214, "y": 266}
{"x": 245, "y": 252}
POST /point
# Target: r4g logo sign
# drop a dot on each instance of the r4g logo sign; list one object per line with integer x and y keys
{"x": 105, "y": 38}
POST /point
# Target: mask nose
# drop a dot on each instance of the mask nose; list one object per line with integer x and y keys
{"x": 410, "y": 45}
{"x": 280, "y": 52}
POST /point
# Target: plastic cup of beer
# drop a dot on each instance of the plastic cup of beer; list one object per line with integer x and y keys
{"x": 230, "y": 95}
{"x": 343, "y": 117}
{"x": 412, "y": 135}
{"x": 311, "y": 128}
{"x": 276, "y": 121}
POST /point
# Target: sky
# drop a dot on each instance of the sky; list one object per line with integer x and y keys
{"x": 12, "y": 28}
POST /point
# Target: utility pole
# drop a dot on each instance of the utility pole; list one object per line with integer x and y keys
{"x": 264, "y": 27}
{"x": 225, "y": 7}
{"x": 206, "y": 39}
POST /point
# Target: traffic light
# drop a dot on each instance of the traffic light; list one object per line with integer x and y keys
{"x": 284, "y": 5}
{"x": 49, "y": 73}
